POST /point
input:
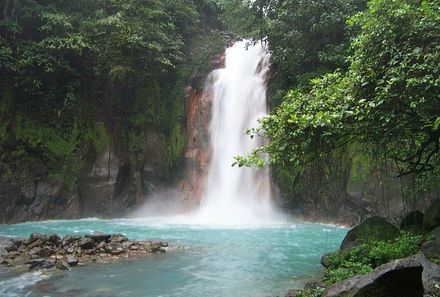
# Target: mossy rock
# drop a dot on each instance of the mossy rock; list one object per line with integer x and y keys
{"x": 374, "y": 228}
{"x": 413, "y": 222}
{"x": 435, "y": 233}
{"x": 432, "y": 216}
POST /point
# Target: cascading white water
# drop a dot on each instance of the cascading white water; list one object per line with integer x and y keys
{"x": 236, "y": 195}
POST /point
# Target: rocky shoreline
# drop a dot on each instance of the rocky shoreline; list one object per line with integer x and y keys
{"x": 50, "y": 251}
{"x": 377, "y": 258}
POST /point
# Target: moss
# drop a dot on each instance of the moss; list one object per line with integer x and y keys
{"x": 98, "y": 135}
{"x": 364, "y": 258}
{"x": 361, "y": 165}
{"x": 202, "y": 49}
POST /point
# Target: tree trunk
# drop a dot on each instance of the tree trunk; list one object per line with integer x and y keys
{"x": 6, "y": 4}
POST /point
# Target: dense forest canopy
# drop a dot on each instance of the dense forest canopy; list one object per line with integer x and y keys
{"x": 76, "y": 74}
{"x": 387, "y": 98}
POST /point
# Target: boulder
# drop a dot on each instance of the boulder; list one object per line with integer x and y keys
{"x": 53, "y": 238}
{"x": 71, "y": 260}
{"x": 118, "y": 238}
{"x": 374, "y": 228}
{"x": 432, "y": 216}
{"x": 431, "y": 249}
{"x": 62, "y": 265}
{"x": 8, "y": 245}
{"x": 68, "y": 239}
{"x": 293, "y": 293}
{"x": 162, "y": 243}
{"x": 98, "y": 236}
{"x": 114, "y": 248}
{"x": 37, "y": 236}
{"x": 40, "y": 264}
{"x": 44, "y": 252}
{"x": 435, "y": 233}
{"x": 325, "y": 260}
{"x": 86, "y": 243}
{"x": 410, "y": 277}
{"x": 156, "y": 249}
{"x": 411, "y": 219}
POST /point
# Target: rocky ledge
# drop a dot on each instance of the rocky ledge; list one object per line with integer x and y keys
{"x": 44, "y": 251}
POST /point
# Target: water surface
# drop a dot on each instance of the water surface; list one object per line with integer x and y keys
{"x": 260, "y": 260}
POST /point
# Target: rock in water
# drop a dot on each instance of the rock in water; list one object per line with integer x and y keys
{"x": 432, "y": 216}
{"x": 86, "y": 243}
{"x": 7, "y": 245}
{"x": 119, "y": 238}
{"x": 98, "y": 236}
{"x": 374, "y": 228}
{"x": 40, "y": 264}
{"x": 62, "y": 265}
{"x": 410, "y": 277}
{"x": 37, "y": 236}
{"x": 44, "y": 252}
{"x": 53, "y": 238}
{"x": 71, "y": 260}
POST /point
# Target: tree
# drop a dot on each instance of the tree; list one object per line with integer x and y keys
{"x": 389, "y": 99}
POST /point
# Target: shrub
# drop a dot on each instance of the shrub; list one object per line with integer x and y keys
{"x": 362, "y": 259}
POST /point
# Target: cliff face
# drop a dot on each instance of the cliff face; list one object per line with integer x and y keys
{"x": 121, "y": 148}
{"x": 198, "y": 152}
{"x": 108, "y": 185}
{"x": 349, "y": 187}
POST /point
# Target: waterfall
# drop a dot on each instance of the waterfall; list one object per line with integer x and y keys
{"x": 238, "y": 92}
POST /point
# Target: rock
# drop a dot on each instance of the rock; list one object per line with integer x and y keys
{"x": 374, "y": 228}
{"x": 409, "y": 277}
{"x": 62, "y": 265}
{"x": 69, "y": 239}
{"x": 126, "y": 245}
{"x": 53, "y": 238}
{"x": 37, "y": 236}
{"x": 9, "y": 262}
{"x": 27, "y": 193}
{"x": 119, "y": 238}
{"x": 432, "y": 216}
{"x": 5, "y": 242}
{"x": 156, "y": 249}
{"x": 40, "y": 264}
{"x": 431, "y": 249}
{"x": 324, "y": 261}
{"x": 36, "y": 243}
{"x": 435, "y": 233}
{"x": 98, "y": 236}
{"x": 413, "y": 218}
{"x": 3, "y": 252}
{"x": 114, "y": 248}
{"x": 162, "y": 243}
{"x": 86, "y": 243}
{"x": 44, "y": 252}
{"x": 293, "y": 293}
{"x": 71, "y": 260}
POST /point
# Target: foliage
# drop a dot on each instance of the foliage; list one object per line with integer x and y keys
{"x": 76, "y": 75}
{"x": 306, "y": 38}
{"x": 388, "y": 100}
{"x": 362, "y": 259}
{"x": 309, "y": 38}
{"x": 311, "y": 292}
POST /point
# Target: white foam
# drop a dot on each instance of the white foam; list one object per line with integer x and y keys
{"x": 14, "y": 286}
